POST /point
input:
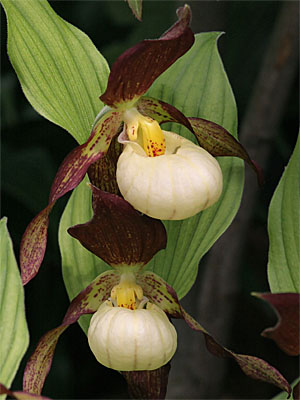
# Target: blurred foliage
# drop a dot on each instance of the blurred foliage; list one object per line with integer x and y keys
{"x": 32, "y": 149}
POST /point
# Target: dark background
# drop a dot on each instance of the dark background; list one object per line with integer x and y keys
{"x": 33, "y": 148}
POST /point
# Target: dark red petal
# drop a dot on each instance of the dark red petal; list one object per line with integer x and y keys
{"x": 118, "y": 233}
{"x": 219, "y": 142}
{"x": 286, "y": 333}
{"x": 160, "y": 293}
{"x": 88, "y": 301}
{"x": 69, "y": 175}
{"x": 137, "y": 68}
{"x": 102, "y": 173}
{"x": 148, "y": 384}
{"x": 162, "y": 112}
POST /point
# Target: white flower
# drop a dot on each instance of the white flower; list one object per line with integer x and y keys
{"x": 176, "y": 185}
{"x": 132, "y": 340}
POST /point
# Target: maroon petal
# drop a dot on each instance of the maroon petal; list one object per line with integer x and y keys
{"x": 219, "y": 142}
{"x": 102, "y": 173}
{"x": 88, "y": 301}
{"x": 20, "y": 395}
{"x": 118, "y": 233}
{"x": 159, "y": 292}
{"x": 148, "y": 384}
{"x": 69, "y": 175}
{"x": 162, "y": 112}
{"x": 137, "y": 68}
{"x": 286, "y": 333}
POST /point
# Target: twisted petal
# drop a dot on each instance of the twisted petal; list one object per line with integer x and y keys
{"x": 162, "y": 112}
{"x": 87, "y": 302}
{"x": 137, "y": 68}
{"x": 286, "y": 333}
{"x": 219, "y": 142}
{"x": 69, "y": 175}
{"x": 118, "y": 233}
{"x": 160, "y": 293}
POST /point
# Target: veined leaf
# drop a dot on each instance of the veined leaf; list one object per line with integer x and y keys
{"x": 284, "y": 229}
{"x": 14, "y": 336}
{"x": 61, "y": 72}
{"x": 197, "y": 85}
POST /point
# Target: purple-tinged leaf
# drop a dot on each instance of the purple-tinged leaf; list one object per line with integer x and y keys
{"x": 137, "y": 68}
{"x": 136, "y": 8}
{"x": 165, "y": 297}
{"x": 119, "y": 234}
{"x": 219, "y": 142}
{"x": 69, "y": 175}
{"x": 148, "y": 384}
{"x": 102, "y": 173}
{"x": 162, "y": 112}
{"x": 286, "y": 333}
{"x": 86, "y": 302}
{"x": 21, "y": 395}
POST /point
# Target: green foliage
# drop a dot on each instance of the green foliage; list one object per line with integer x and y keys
{"x": 284, "y": 229}
{"x": 14, "y": 336}
{"x": 60, "y": 70}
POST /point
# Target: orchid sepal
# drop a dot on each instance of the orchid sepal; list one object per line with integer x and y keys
{"x": 286, "y": 333}
{"x": 137, "y": 68}
{"x": 133, "y": 238}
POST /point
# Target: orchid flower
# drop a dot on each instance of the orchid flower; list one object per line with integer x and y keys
{"x": 130, "y": 330}
{"x": 160, "y": 173}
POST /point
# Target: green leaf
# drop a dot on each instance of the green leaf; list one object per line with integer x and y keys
{"x": 284, "y": 229}
{"x": 61, "y": 72}
{"x": 136, "y": 8}
{"x": 197, "y": 85}
{"x": 79, "y": 265}
{"x": 14, "y": 336}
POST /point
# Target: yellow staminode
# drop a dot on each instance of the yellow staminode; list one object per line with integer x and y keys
{"x": 146, "y": 131}
{"x": 127, "y": 292}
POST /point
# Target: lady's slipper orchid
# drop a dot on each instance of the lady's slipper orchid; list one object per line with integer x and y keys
{"x": 176, "y": 184}
{"x": 119, "y": 322}
{"x": 131, "y": 76}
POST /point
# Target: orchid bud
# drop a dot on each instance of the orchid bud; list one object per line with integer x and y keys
{"x": 184, "y": 180}
{"x": 132, "y": 340}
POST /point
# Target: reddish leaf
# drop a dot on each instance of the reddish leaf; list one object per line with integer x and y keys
{"x": 148, "y": 384}
{"x": 88, "y": 301}
{"x": 219, "y": 142}
{"x": 69, "y": 175}
{"x": 118, "y": 233}
{"x": 286, "y": 333}
{"x": 162, "y": 112}
{"x": 156, "y": 288}
{"x": 137, "y": 68}
{"x": 21, "y": 395}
